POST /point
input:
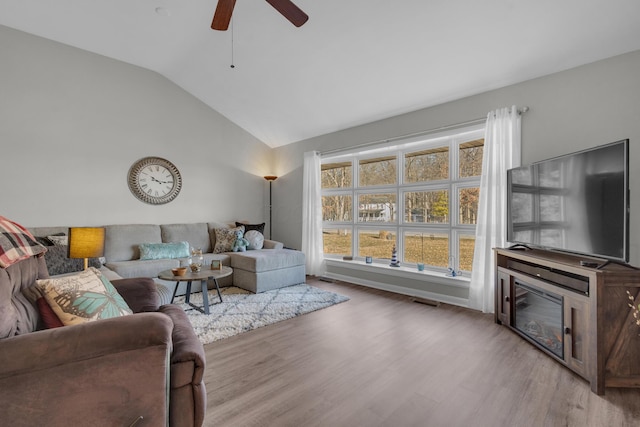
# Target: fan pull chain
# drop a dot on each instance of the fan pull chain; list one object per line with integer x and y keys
{"x": 232, "y": 65}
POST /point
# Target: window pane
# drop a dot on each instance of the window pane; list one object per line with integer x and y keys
{"x": 470, "y": 163}
{"x": 427, "y": 207}
{"x": 466, "y": 244}
{"x": 414, "y": 246}
{"x": 377, "y": 207}
{"x": 427, "y": 165}
{"x": 376, "y": 243}
{"x": 336, "y": 241}
{"x": 468, "y": 202}
{"x": 336, "y": 175}
{"x": 379, "y": 171}
{"x": 436, "y": 249}
{"x": 337, "y": 208}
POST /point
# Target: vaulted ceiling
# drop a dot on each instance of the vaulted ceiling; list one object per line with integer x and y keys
{"x": 353, "y": 62}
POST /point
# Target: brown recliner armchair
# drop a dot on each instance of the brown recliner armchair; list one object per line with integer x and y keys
{"x": 145, "y": 369}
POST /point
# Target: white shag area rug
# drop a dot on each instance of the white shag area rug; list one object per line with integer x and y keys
{"x": 242, "y": 311}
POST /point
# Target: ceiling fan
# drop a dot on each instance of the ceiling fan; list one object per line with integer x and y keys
{"x": 222, "y": 16}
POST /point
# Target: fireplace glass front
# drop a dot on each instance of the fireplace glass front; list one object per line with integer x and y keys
{"x": 538, "y": 315}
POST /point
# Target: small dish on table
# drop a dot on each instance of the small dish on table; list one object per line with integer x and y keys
{"x": 180, "y": 271}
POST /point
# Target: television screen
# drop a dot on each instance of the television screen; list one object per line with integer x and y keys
{"x": 576, "y": 203}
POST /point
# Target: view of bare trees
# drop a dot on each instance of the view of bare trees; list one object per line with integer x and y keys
{"x": 428, "y": 202}
{"x": 378, "y": 171}
{"x": 337, "y": 208}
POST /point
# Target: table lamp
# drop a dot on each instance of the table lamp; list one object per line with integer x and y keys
{"x": 86, "y": 242}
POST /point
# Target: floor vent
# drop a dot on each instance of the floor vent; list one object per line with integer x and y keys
{"x": 426, "y": 301}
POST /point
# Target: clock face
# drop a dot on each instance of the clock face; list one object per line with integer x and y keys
{"x": 154, "y": 180}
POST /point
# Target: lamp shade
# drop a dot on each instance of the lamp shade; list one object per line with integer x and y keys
{"x": 86, "y": 242}
{"x": 270, "y": 177}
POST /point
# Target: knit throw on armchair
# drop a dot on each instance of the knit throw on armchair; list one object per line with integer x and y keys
{"x": 16, "y": 243}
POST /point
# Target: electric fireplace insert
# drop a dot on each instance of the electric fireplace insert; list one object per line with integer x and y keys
{"x": 539, "y": 315}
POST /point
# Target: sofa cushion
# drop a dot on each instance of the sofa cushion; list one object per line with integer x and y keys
{"x": 48, "y": 316}
{"x": 19, "y": 315}
{"x": 196, "y": 234}
{"x": 164, "y": 250}
{"x": 58, "y": 240}
{"x": 266, "y": 260}
{"x": 45, "y": 240}
{"x": 83, "y": 297}
{"x": 142, "y": 268}
{"x": 58, "y": 262}
{"x": 212, "y": 231}
{"x": 255, "y": 239}
{"x": 121, "y": 242}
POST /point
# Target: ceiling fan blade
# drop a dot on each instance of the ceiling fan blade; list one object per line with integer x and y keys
{"x": 290, "y": 11}
{"x": 222, "y": 16}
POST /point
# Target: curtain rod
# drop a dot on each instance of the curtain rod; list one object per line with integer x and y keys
{"x": 415, "y": 134}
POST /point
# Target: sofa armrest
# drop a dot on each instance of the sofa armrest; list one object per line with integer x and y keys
{"x": 114, "y": 369}
{"x": 187, "y": 371}
{"x": 140, "y": 293}
{"x": 272, "y": 244}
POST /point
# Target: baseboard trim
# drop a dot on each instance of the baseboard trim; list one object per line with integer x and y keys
{"x": 461, "y": 302}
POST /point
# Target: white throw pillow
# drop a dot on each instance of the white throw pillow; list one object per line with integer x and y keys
{"x": 255, "y": 238}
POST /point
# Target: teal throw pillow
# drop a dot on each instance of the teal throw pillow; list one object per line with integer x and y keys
{"x": 164, "y": 250}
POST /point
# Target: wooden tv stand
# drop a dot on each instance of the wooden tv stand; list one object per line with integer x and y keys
{"x": 601, "y": 339}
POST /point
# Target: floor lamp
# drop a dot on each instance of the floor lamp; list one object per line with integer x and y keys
{"x": 270, "y": 178}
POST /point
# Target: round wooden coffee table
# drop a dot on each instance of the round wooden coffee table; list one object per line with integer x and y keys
{"x": 203, "y": 275}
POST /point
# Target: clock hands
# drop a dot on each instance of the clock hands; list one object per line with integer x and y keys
{"x": 158, "y": 181}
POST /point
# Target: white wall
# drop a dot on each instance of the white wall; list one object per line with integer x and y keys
{"x": 569, "y": 111}
{"x": 72, "y": 123}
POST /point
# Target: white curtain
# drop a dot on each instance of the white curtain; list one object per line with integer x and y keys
{"x": 501, "y": 152}
{"x": 312, "y": 214}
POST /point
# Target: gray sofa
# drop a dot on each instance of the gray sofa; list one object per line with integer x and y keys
{"x": 255, "y": 270}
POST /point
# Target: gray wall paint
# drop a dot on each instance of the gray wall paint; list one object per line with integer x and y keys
{"x": 73, "y": 123}
{"x": 569, "y": 111}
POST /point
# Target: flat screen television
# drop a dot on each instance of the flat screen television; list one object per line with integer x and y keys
{"x": 576, "y": 203}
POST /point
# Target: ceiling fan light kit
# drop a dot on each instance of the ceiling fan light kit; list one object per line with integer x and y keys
{"x": 224, "y": 10}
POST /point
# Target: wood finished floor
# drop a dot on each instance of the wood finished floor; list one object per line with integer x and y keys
{"x": 382, "y": 360}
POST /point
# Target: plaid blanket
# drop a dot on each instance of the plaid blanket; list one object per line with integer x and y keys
{"x": 16, "y": 243}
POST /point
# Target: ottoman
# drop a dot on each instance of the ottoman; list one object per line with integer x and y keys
{"x": 263, "y": 270}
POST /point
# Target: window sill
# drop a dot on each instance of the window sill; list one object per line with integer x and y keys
{"x": 411, "y": 273}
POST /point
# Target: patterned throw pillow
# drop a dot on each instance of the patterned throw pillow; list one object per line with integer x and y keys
{"x": 83, "y": 297}
{"x": 58, "y": 262}
{"x": 255, "y": 238}
{"x": 49, "y": 318}
{"x": 164, "y": 250}
{"x": 225, "y": 238}
{"x": 59, "y": 239}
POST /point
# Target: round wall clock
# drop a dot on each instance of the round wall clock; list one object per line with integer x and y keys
{"x": 154, "y": 180}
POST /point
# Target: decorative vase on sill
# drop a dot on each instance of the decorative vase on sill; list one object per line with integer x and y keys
{"x": 451, "y": 271}
{"x": 394, "y": 257}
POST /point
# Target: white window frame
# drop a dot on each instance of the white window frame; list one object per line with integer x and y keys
{"x": 452, "y": 139}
